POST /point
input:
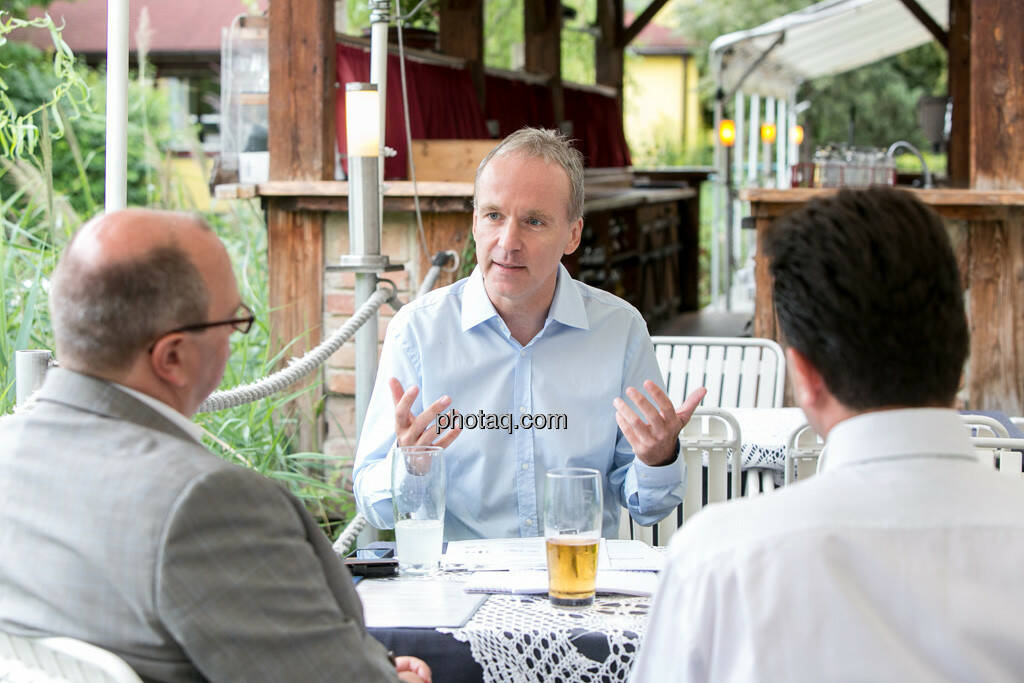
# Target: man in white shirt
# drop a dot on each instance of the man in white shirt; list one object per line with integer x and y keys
{"x": 900, "y": 560}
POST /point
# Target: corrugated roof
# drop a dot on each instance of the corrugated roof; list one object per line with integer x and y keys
{"x": 821, "y": 40}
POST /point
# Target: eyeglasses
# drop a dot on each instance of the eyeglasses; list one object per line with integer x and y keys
{"x": 242, "y": 323}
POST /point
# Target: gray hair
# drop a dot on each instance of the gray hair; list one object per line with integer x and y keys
{"x": 102, "y": 316}
{"x": 552, "y": 147}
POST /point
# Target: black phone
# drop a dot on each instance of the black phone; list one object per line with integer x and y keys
{"x": 372, "y": 562}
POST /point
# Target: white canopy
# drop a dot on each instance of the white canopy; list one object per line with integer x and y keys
{"x": 827, "y": 38}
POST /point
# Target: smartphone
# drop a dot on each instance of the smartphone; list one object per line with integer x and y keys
{"x": 372, "y": 562}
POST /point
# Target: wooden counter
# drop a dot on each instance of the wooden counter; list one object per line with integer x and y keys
{"x": 639, "y": 243}
{"x": 987, "y": 232}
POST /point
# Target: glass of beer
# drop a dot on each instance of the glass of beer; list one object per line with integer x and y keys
{"x": 417, "y": 495}
{"x": 572, "y": 529}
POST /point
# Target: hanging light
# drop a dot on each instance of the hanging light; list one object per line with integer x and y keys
{"x": 362, "y": 119}
{"x": 727, "y": 132}
{"x": 796, "y": 133}
{"x": 768, "y": 132}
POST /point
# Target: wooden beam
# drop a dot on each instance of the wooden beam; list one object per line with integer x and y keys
{"x": 921, "y": 14}
{"x": 302, "y": 143}
{"x": 462, "y": 35}
{"x": 997, "y": 109}
{"x": 542, "y": 36}
{"x": 608, "y": 51}
{"x": 640, "y": 23}
{"x": 302, "y": 76}
{"x": 959, "y": 69}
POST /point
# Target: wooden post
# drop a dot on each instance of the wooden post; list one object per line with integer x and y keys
{"x": 301, "y": 141}
{"x": 542, "y": 33}
{"x": 462, "y": 35}
{"x": 997, "y": 109}
{"x": 608, "y": 57}
{"x": 959, "y": 154}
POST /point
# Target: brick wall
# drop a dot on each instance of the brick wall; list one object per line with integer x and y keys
{"x": 398, "y": 240}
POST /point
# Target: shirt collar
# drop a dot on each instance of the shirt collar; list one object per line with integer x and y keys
{"x": 566, "y": 306}
{"x": 892, "y": 434}
{"x": 189, "y": 427}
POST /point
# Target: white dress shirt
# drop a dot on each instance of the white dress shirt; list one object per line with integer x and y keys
{"x": 186, "y": 425}
{"x": 900, "y": 561}
{"x": 453, "y": 342}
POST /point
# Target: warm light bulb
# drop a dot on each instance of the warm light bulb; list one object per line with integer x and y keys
{"x": 362, "y": 119}
{"x": 727, "y": 132}
{"x": 768, "y": 132}
{"x": 797, "y": 134}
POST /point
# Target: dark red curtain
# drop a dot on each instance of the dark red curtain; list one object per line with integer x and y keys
{"x": 514, "y": 104}
{"x": 442, "y": 104}
{"x": 597, "y": 128}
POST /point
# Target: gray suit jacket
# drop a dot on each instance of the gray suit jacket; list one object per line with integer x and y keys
{"x": 119, "y": 529}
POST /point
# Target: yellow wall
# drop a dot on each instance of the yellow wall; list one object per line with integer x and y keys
{"x": 662, "y": 107}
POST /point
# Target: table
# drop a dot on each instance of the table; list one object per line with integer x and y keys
{"x": 522, "y": 638}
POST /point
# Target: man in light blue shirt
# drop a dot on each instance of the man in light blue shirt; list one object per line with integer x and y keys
{"x": 523, "y": 367}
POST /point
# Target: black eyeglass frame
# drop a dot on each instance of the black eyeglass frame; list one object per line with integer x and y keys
{"x": 242, "y": 325}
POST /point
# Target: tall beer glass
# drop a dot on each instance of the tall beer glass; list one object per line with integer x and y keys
{"x": 417, "y": 494}
{"x": 572, "y": 529}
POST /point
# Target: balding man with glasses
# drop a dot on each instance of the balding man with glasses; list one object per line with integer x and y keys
{"x": 119, "y": 528}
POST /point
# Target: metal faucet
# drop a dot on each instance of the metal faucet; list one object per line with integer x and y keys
{"x": 910, "y": 148}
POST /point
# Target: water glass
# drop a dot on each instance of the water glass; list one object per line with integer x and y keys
{"x": 417, "y": 496}
{"x": 573, "y": 508}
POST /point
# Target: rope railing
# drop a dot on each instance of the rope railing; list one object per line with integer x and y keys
{"x": 299, "y": 368}
{"x": 347, "y": 538}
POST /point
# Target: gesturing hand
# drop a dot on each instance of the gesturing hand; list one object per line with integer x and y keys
{"x": 412, "y": 430}
{"x": 412, "y": 670}
{"x": 654, "y": 441}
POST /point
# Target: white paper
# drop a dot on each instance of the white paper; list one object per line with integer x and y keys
{"x": 416, "y": 603}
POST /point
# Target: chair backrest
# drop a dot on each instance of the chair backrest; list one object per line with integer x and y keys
{"x": 714, "y": 432}
{"x": 60, "y": 660}
{"x": 739, "y": 372}
{"x": 984, "y": 426}
{"x": 803, "y": 448}
{"x": 1005, "y": 453}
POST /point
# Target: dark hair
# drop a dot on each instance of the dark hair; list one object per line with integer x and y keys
{"x": 103, "y": 316}
{"x": 866, "y": 287}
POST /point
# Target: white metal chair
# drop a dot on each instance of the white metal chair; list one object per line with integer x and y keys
{"x": 739, "y": 372}
{"x": 712, "y": 431}
{"x": 984, "y": 426}
{"x": 803, "y": 448}
{"x": 60, "y": 660}
{"x": 1005, "y": 452}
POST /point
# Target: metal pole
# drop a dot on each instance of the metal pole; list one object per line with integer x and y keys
{"x": 116, "y": 187}
{"x": 729, "y": 259}
{"x": 716, "y": 217}
{"x": 29, "y": 372}
{"x": 364, "y": 227}
{"x": 754, "y": 162}
{"x": 380, "y": 11}
{"x": 781, "y": 135}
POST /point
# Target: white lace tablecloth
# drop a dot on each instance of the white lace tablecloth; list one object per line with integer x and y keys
{"x": 522, "y": 638}
{"x": 764, "y": 432}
